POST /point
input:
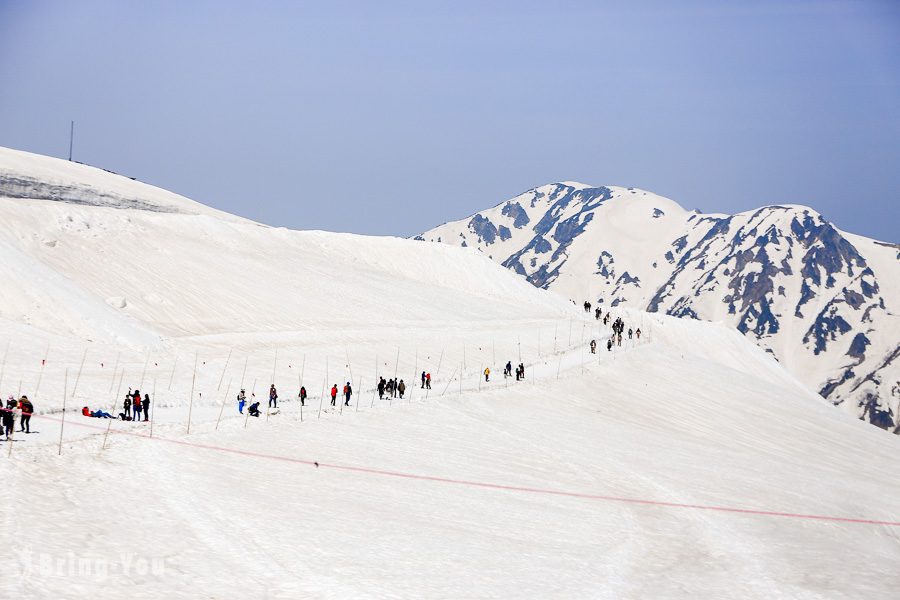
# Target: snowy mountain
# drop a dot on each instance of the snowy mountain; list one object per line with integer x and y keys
{"x": 824, "y": 302}
{"x": 686, "y": 464}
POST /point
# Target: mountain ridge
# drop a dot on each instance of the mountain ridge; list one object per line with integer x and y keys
{"x": 819, "y": 299}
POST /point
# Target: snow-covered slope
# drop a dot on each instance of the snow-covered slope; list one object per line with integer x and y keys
{"x": 821, "y": 300}
{"x": 151, "y": 262}
{"x": 686, "y": 464}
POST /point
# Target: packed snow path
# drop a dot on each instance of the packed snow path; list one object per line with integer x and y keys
{"x": 655, "y": 423}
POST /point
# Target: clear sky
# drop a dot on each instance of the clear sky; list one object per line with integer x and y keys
{"x": 392, "y": 117}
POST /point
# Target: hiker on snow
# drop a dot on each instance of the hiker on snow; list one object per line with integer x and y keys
{"x": 638, "y": 333}
{"x": 27, "y": 408}
{"x": 302, "y": 396}
{"x": 487, "y": 374}
{"x": 428, "y": 381}
{"x": 253, "y": 411}
{"x": 348, "y": 391}
{"x": 507, "y": 372}
{"x": 242, "y": 401}
{"x": 423, "y": 380}
{"x": 401, "y": 387}
{"x": 9, "y": 419}
{"x": 593, "y": 346}
{"x": 127, "y": 405}
{"x": 273, "y": 397}
{"x": 136, "y": 405}
{"x": 146, "y": 407}
{"x": 333, "y": 394}
{"x": 381, "y": 386}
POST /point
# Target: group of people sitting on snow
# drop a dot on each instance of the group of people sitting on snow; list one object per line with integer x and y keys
{"x": 133, "y": 406}
{"x": 20, "y": 409}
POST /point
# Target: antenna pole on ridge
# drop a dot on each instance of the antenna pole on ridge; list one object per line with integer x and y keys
{"x": 71, "y": 139}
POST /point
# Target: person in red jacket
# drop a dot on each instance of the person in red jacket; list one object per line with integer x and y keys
{"x": 136, "y": 405}
{"x": 333, "y": 394}
{"x": 428, "y": 381}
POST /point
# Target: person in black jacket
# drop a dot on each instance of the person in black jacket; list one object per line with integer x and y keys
{"x": 27, "y": 408}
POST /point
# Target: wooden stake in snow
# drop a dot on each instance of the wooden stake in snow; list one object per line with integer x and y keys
{"x": 244, "y": 372}
{"x": 449, "y": 381}
{"x": 152, "y": 400}
{"x": 349, "y": 364}
{"x": 112, "y": 381}
{"x": 225, "y": 368}
{"x": 224, "y": 400}
{"x": 172, "y": 374}
{"x": 377, "y": 381}
{"x": 440, "y": 360}
{"x": 412, "y": 382}
{"x": 144, "y": 372}
{"x": 115, "y": 404}
{"x": 62, "y": 422}
{"x": 37, "y": 386}
{"x": 324, "y": 385}
{"x": 78, "y": 377}
{"x": 396, "y": 368}
{"x": 191, "y": 400}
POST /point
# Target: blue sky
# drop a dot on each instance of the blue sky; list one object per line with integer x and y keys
{"x": 393, "y": 117}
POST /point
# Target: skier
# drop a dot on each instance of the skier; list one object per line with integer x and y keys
{"x": 146, "y": 407}
{"x": 136, "y": 405}
{"x": 27, "y": 408}
{"x": 273, "y": 397}
{"x": 302, "y": 396}
{"x": 348, "y": 391}
{"x": 333, "y": 394}
{"x": 242, "y": 401}
{"x": 127, "y": 405}
{"x": 381, "y": 386}
{"x": 401, "y": 387}
{"x": 423, "y": 380}
{"x": 428, "y": 381}
{"x": 638, "y": 333}
{"x": 253, "y": 411}
{"x": 487, "y": 374}
{"x": 593, "y": 346}
{"x": 609, "y": 345}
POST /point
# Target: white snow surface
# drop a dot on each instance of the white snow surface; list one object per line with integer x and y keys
{"x": 623, "y": 474}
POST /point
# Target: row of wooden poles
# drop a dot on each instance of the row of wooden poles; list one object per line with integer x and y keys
{"x": 121, "y": 375}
